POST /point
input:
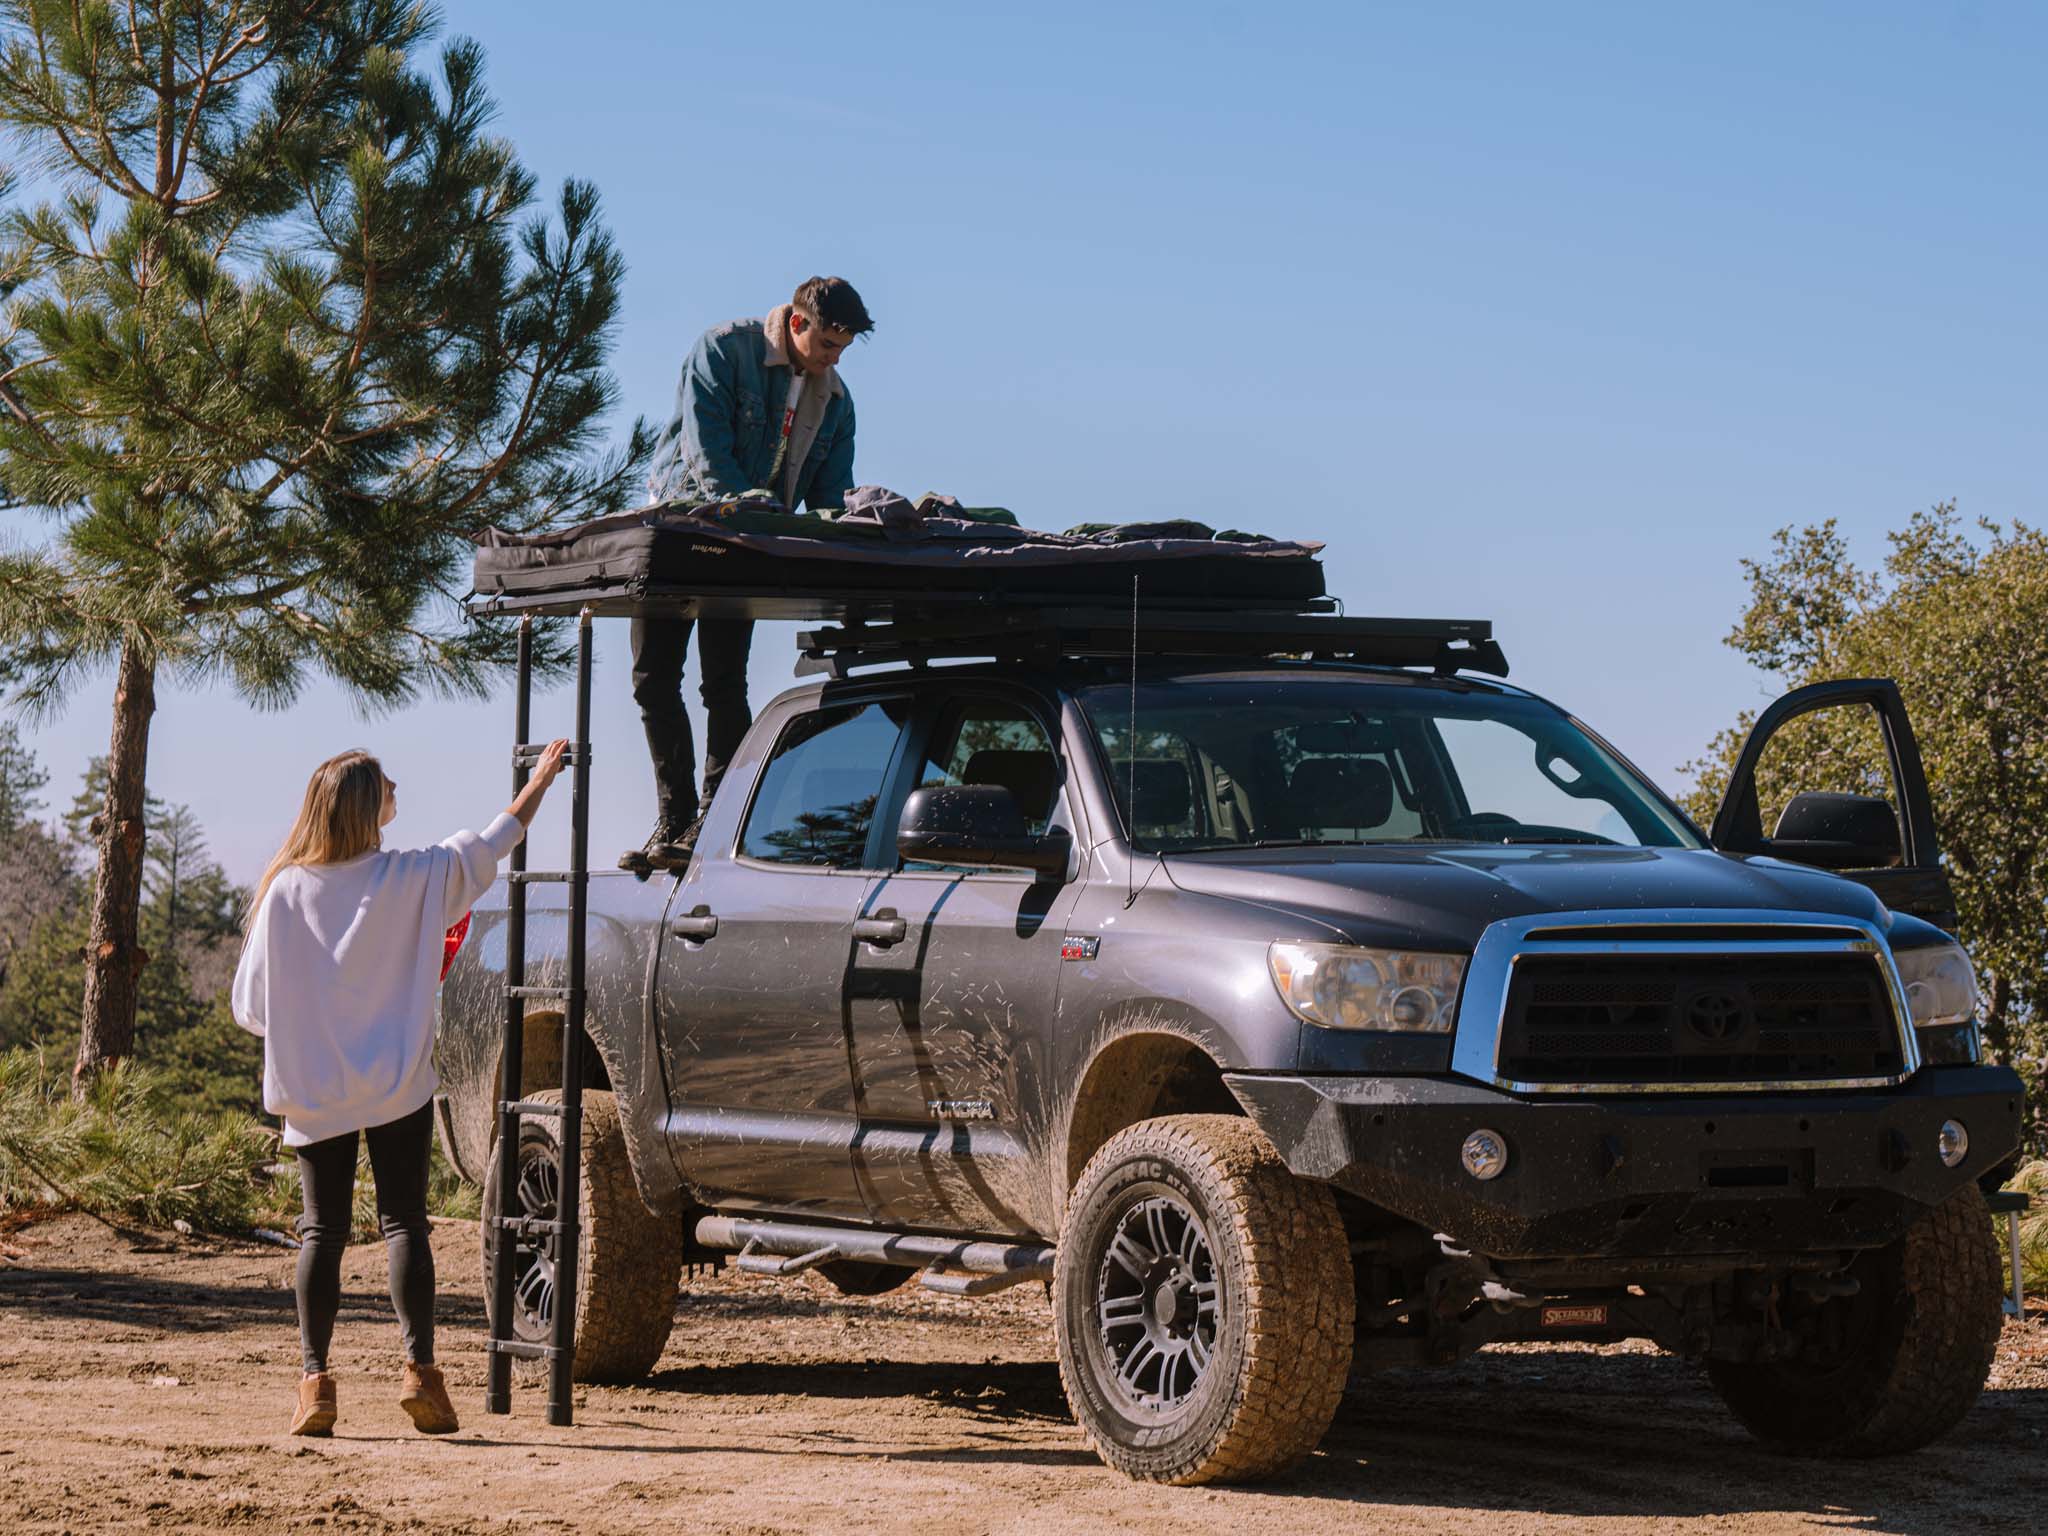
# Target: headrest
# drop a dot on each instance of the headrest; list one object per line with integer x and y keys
{"x": 1342, "y": 791}
{"x": 1163, "y": 793}
{"x": 1030, "y": 777}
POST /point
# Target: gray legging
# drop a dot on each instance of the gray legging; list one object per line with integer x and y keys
{"x": 327, "y": 1173}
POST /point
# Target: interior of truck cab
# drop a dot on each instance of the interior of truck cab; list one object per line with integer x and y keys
{"x": 1332, "y": 760}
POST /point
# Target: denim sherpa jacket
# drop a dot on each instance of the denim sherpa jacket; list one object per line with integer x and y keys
{"x": 728, "y": 415}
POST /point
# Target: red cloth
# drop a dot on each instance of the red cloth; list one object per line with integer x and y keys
{"x": 453, "y": 942}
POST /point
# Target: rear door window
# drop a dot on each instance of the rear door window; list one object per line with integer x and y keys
{"x": 816, "y": 801}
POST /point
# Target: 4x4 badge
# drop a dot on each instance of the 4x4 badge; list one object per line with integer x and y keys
{"x": 1076, "y": 946}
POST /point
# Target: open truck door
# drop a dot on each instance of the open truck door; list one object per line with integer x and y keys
{"x": 1887, "y": 844}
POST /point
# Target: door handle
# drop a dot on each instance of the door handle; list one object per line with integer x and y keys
{"x": 879, "y": 930}
{"x": 698, "y": 925}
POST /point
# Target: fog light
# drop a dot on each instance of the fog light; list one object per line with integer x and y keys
{"x": 1953, "y": 1143}
{"x": 1485, "y": 1154}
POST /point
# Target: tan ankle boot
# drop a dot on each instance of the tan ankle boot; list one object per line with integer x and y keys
{"x": 317, "y": 1404}
{"x": 424, "y": 1395}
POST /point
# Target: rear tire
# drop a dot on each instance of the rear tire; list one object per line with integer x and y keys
{"x": 1915, "y": 1346}
{"x": 1202, "y": 1303}
{"x": 629, "y": 1261}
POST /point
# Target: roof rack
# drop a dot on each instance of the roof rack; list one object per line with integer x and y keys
{"x": 1445, "y": 646}
{"x": 866, "y": 605}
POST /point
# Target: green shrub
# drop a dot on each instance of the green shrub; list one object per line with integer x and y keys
{"x": 2033, "y": 1178}
{"x": 123, "y": 1154}
{"x": 131, "y": 1153}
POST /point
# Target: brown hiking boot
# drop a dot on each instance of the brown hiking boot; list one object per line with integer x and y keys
{"x": 316, "y": 1410}
{"x": 425, "y": 1396}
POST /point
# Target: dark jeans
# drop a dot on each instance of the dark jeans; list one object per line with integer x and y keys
{"x": 327, "y": 1174}
{"x": 659, "y": 648}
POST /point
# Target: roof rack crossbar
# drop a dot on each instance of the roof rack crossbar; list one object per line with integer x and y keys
{"x": 1445, "y": 646}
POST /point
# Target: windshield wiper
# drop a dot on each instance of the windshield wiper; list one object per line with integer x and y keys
{"x": 1320, "y": 842}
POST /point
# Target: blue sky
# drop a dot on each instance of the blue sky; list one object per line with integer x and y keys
{"x": 1543, "y": 314}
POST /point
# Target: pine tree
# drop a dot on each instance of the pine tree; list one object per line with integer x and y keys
{"x": 281, "y": 338}
{"x": 176, "y": 857}
{"x": 22, "y": 777}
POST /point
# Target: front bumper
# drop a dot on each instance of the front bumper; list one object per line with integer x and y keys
{"x": 1609, "y": 1177}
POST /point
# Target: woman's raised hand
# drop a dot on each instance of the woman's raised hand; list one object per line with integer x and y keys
{"x": 528, "y": 799}
{"x": 550, "y": 762}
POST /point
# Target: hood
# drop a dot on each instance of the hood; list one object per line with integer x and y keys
{"x": 1443, "y": 898}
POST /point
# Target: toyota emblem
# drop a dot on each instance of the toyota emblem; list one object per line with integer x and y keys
{"x": 1717, "y": 1014}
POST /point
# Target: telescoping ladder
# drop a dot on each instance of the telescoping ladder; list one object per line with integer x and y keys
{"x": 560, "y": 1233}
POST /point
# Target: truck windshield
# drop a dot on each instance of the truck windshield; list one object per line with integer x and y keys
{"x": 1303, "y": 762}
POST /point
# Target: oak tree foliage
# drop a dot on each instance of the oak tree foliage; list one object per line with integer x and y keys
{"x": 1959, "y": 617}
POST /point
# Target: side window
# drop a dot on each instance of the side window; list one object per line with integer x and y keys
{"x": 986, "y": 741}
{"x": 1827, "y": 751}
{"x": 817, "y": 794}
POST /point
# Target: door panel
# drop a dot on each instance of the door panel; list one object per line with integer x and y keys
{"x": 947, "y": 1028}
{"x": 951, "y": 994}
{"x": 753, "y": 972}
{"x": 1828, "y": 757}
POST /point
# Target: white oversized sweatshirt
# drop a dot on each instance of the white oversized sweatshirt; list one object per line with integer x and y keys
{"x": 339, "y": 975}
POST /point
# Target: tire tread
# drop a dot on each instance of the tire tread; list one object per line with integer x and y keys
{"x": 1297, "y": 1297}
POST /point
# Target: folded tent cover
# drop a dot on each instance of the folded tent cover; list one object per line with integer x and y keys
{"x": 752, "y": 557}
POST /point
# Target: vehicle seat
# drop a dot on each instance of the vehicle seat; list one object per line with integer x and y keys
{"x": 1162, "y": 791}
{"x": 1352, "y": 792}
{"x": 1031, "y": 777}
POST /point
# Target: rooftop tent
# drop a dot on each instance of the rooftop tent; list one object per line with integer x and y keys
{"x": 750, "y": 558}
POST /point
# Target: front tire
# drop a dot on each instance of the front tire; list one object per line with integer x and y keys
{"x": 1899, "y": 1363}
{"x": 1202, "y": 1303}
{"x": 629, "y": 1261}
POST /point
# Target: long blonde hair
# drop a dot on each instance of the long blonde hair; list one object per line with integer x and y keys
{"x": 337, "y": 820}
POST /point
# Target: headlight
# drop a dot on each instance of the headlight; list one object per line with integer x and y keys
{"x": 1941, "y": 986}
{"x": 1341, "y": 986}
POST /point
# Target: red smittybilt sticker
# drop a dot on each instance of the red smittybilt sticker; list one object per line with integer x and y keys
{"x": 1080, "y": 946}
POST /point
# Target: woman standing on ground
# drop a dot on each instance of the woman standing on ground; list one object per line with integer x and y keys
{"x": 338, "y": 974}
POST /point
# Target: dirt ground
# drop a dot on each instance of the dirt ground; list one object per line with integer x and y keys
{"x": 147, "y": 1382}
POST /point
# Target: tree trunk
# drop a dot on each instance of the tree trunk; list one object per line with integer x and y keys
{"x": 113, "y": 957}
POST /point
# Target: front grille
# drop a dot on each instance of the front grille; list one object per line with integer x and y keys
{"x": 1705, "y": 1019}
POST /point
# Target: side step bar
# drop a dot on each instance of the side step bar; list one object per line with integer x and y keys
{"x": 954, "y": 1266}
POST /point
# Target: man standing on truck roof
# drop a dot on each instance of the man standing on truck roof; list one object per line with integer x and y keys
{"x": 760, "y": 409}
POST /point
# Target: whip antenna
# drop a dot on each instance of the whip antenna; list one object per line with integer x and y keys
{"x": 1131, "y": 745}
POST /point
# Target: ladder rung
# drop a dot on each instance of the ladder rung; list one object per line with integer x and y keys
{"x": 528, "y": 1107}
{"x": 527, "y": 1225}
{"x": 528, "y": 753}
{"x": 521, "y": 1348}
{"x": 536, "y": 876}
{"x": 564, "y": 993}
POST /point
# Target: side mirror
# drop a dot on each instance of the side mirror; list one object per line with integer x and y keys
{"x": 976, "y": 824}
{"x": 1836, "y": 832}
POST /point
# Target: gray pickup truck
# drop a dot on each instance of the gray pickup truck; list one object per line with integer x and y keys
{"x": 1286, "y": 1018}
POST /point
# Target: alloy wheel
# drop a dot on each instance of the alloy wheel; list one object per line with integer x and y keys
{"x": 533, "y": 1257}
{"x": 1158, "y": 1305}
